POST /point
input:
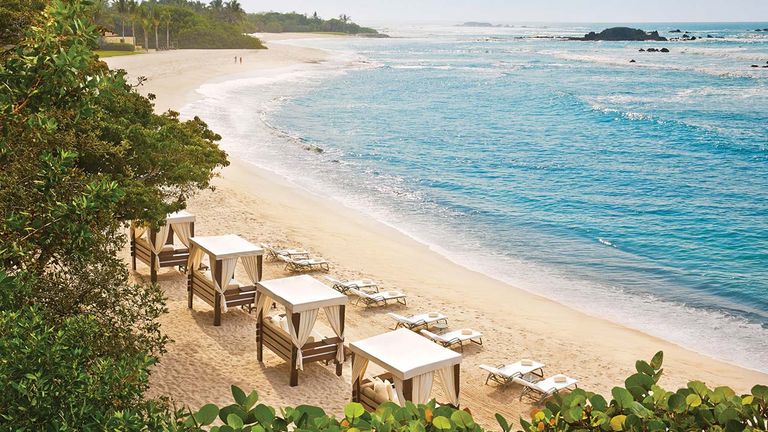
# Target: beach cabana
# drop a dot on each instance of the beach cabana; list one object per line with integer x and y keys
{"x": 157, "y": 248}
{"x": 411, "y": 362}
{"x": 302, "y": 297}
{"x": 217, "y": 286}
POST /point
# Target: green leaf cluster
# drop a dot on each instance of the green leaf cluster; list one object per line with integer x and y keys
{"x": 642, "y": 405}
{"x": 246, "y": 415}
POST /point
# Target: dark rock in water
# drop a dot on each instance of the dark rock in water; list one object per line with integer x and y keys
{"x": 641, "y": 50}
{"x": 710, "y": 36}
{"x": 755, "y": 66}
{"x": 676, "y": 31}
{"x": 664, "y": 50}
{"x": 632, "y": 61}
{"x": 622, "y": 34}
{"x": 313, "y": 148}
{"x": 652, "y": 50}
{"x": 758, "y": 29}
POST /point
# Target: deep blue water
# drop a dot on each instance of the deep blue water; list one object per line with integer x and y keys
{"x": 633, "y": 191}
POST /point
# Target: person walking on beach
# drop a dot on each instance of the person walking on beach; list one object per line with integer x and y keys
{"x": 235, "y": 59}
{"x": 241, "y": 60}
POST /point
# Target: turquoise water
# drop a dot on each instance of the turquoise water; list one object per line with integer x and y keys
{"x": 633, "y": 191}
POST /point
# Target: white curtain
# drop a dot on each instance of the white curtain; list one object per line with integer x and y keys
{"x": 299, "y": 336}
{"x": 227, "y": 272}
{"x": 251, "y": 267}
{"x": 183, "y": 232}
{"x": 262, "y": 303}
{"x": 161, "y": 235}
{"x": 421, "y": 388}
{"x": 448, "y": 380}
{"x": 359, "y": 365}
{"x": 399, "y": 391}
{"x": 334, "y": 318}
{"x": 138, "y": 230}
{"x": 195, "y": 258}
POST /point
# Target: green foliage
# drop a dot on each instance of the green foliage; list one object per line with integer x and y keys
{"x": 275, "y": 22}
{"x": 179, "y": 24}
{"x": 82, "y": 152}
{"x": 246, "y": 415}
{"x": 117, "y": 47}
{"x": 642, "y": 405}
{"x": 215, "y": 36}
{"x": 62, "y": 375}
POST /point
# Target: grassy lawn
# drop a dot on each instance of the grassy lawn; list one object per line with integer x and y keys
{"x": 104, "y": 54}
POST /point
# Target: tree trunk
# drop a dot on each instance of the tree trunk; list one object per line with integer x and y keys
{"x": 168, "y": 35}
{"x": 122, "y": 21}
{"x": 133, "y": 32}
{"x": 157, "y": 43}
{"x": 146, "y": 39}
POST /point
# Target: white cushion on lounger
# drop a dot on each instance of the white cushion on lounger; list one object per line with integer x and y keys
{"x": 380, "y": 388}
{"x": 167, "y": 248}
{"x": 392, "y": 394}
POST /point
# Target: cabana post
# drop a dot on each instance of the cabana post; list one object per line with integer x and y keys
{"x": 217, "y": 287}
{"x": 411, "y": 361}
{"x": 156, "y": 248}
{"x": 293, "y": 339}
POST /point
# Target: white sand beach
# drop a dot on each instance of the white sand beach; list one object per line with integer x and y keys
{"x": 204, "y": 360}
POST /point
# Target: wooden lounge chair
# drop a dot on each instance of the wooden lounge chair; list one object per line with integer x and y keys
{"x": 546, "y": 387}
{"x": 360, "y": 284}
{"x": 504, "y": 374}
{"x": 378, "y": 298}
{"x": 416, "y": 322}
{"x": 273, "y": 252}
{"x": 304, "y": 264}
{"x": 455, "y": 338}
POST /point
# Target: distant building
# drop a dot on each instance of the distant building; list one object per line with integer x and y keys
{"x": 107, "y": 37}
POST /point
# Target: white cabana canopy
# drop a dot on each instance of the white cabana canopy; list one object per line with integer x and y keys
{"x": 409, "y": 357}
{"x": 181, "y": 216}
{"x": 301, "y": 293}
{"x": 226, "y": 246}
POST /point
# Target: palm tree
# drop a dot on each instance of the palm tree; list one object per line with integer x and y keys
{"x": 165, "y": 16}
{"x": 234, "y": 11}
{"x": 345, "y": 18}
{"x": 122, "y": 9}
{"x": 155, "y": 18}
{"x": 145, "y": 18}
{"x": 133, "y": 12}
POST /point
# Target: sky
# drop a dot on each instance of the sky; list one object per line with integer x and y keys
{"x": 511, "y": 11}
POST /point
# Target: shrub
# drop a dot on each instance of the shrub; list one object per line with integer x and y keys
{"x": 245, "y": 415}
{"x": 642, "y": 405}
{"x": 116, "y": 46}
{"x": 218, "y": 36}
{"x": 62, "y": 374}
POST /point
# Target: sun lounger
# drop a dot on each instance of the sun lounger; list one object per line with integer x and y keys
{"x": 361, "y": 284}
{"x": 504, "y": 374}
{"x": 455, "y": 338}
{"x": 378, "y": 298}
{"x": 546, "y": 387}
{"x": 273, "y": 253}
{"x": 416, "y": 322}
{"x": 304, "y": 264}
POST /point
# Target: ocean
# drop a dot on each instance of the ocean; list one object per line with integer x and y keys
{"x": 636, "y": 192}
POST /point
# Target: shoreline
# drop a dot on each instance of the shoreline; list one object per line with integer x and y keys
{"x": 598, "y": 352}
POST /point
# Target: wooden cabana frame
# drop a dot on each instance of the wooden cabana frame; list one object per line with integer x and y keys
{"x": 181, "y": 225}
{"x": 302, "y": 296}
{"x": 410, "y": 362}
{"x": 216, "y": 287}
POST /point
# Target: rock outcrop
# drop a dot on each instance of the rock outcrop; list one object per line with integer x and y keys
{"x": 623, "y": 34}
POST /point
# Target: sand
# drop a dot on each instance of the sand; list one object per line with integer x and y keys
{"x": 204, "y": 360}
